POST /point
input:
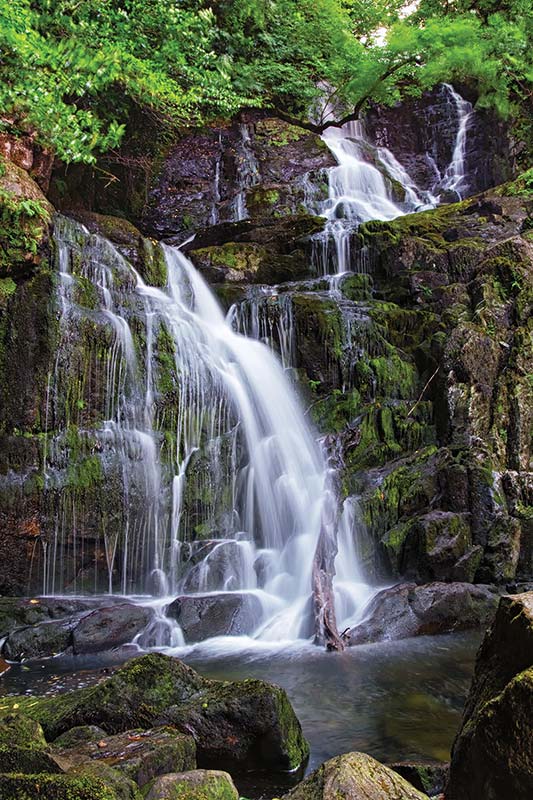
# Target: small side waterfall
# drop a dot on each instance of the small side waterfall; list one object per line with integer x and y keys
{"x": 454, "y": 179}
{"x": 369, "y": 183}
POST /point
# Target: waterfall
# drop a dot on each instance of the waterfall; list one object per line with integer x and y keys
{"x": 454, "y": 178}
{"x": 234, "y": 411}
{"x": 369, "y": 183}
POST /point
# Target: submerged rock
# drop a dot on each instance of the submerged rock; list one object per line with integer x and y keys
{"x": 218, "y": 614}
{"x": 493, "y": 753}
{"x": 137, "y": 754}
{"x": 409, "y": 610}
{"x": 243, "y": 724}
{"x": 354, "y": 776}
{"x": 200, "y": 784}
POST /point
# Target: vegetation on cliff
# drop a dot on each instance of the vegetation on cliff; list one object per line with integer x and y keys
{"x": 77, "y": 74}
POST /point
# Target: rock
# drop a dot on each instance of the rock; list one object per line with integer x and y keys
{"x": 200, "y": 784}
{"x": 409, "y": 610}
{"x": 106, "y": 628}
{"x": 39, "y": 641}
{"x": 243, "y": 724}
{"x": 427, "y": 776}
{"x": 82, "y": 734}
{"x": 137, "y": 754}
{"x": 354, "y": 776}
{"x": 17, "y": 612}
{"x": 19, "y": 730}
{"x": 118, "y": 786}
{"x": 27, "y": 760}
{"x": 218, "y": 614}
{"x": 492, "y": 755}
{"x": 54, "y": 787}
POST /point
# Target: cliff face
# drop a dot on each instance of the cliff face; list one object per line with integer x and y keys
{"x": 417, "y": 368}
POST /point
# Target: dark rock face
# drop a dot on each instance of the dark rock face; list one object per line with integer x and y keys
{"x": 248, "y": 724}
{"x": 353, "y": 776}
{"x": 258, "y": 161}
{"x": 224, "y": 614}
{"x": 410, "y": 610}
{"x": 421, "y": 134}
{"x": 493, "y": 753}
{"x": 39, "y": 641}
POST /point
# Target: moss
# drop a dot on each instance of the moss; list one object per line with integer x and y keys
{"x": 19, "y": 730}
{"x": 7, "y": 288}
{"x": 279, "y": 133}
{"x": 85, "y": 473}
{"x": 53, "y": 787}
{"x": 28, "y": 760}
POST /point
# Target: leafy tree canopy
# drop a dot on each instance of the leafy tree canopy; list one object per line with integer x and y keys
{"x": 74, "y": 71}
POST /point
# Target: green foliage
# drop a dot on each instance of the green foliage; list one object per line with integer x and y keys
{"x": 77, "y": 72}
{"x": 21, "y": 228}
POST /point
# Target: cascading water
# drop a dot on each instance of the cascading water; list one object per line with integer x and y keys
{"x": 454, "y": 179}
{"x": 234, "y": 412}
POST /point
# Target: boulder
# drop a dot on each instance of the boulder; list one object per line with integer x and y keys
{"x": 354, "y": 776}
{"x": 17, "y": 612}
{"x": 19, "y": 730}
{"x": 106, "y": 628}
{"x": 408, "y": 610}
{"x": 427, "y": 776}
{"x": 80, "y": 735}
{"x": 54, "y": 787}
{"x": 199, "y": 784}
{"x": 139, "y": 755}
{"x": 222, "y": 614}
{"x": 242, "y": 724}
{"x": 492, "y": 755}
{"x": 39, "y": 641}
{"x": 27, "y": 760}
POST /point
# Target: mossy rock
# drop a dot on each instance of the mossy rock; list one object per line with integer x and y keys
{"x": 53, "y": 787}
{"x": 353, "y": 776}
{"x": 28, "y": 760}
{"x": 247, "y": 724}
{"x": 492, "y": 754}
{"x": 198, "y": 784}
{"x": 19, "y": 730}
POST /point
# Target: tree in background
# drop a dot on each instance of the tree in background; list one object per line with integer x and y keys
{"x": 76, "y": 73}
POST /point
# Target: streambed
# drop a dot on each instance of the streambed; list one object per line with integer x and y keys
{"x": 395, "y": 700}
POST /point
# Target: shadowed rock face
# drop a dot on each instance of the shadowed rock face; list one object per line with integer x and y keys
{"x": 493, "y": 753}
{"x": 353, "y": 776}
{"x": 410, "y": 610}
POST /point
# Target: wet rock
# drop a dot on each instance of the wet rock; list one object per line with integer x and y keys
{"x": 248, "y": 724}
{"x": 353, "y": 776}
{"x": 137, "y": 754}
{"x": 110, "y": 627}
{"x": 196, "y": 785}
{"x": 427, "y": 776}
{"x": 409, "y": 610}
{"x": 39, "y": 641}
{"x": 217, "y": 614}
{"x": 17, "y": 612}
{"x": 82, "y": 734}
{"x": 492, "y": 755}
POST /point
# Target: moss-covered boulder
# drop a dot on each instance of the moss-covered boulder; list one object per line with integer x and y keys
{"x": 492, "y": 755}
{"x": 351, "y": 777}
{"x": 18, "y": 729}
{"x": 248, "y": 724}
{"x": 200, "y": 784}
{"x": 427, "y": 776}
{"x": 15, "y": 786}
{"x": 137, "y": 754}
{"x": 27, "y": 760}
